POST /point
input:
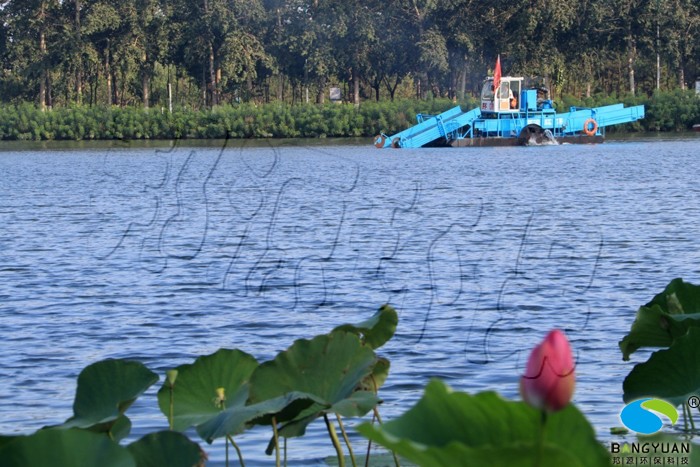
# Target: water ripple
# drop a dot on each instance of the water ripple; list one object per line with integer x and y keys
{"x": 162, "y": 257}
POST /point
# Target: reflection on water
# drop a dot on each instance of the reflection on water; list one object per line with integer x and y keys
{"x": 165, "y": 253}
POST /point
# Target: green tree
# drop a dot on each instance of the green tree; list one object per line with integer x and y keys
{"x": 679, "y": 22}
{"x": 216, "y": 37}
{"x": 29, "y": 38}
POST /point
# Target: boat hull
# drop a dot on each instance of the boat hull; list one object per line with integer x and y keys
{"x": 573, "y": 139}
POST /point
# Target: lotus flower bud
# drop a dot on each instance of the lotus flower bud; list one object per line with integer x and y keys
{"x": 548, "y": 382}
{"x": 220, "y": 398}
{"x": 170, "y": 377}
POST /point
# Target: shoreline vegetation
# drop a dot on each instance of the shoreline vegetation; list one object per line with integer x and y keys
{"x": 666, "y": 111}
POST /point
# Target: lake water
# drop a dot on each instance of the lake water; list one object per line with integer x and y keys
{"x": 163, "y": 254}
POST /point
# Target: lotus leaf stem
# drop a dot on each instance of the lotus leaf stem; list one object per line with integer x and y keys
{"x": 336, "y": 442}
{"x": 347, "y": 440}
{"x": 369, "y": 444}
{"x": 277, "y": 441}
{"x": 692, "y": 422}
{"x": 171, "y": 414}
{"x": 379, "y": 419}
{"x": 540, "y": 439}
{"x": 238, "y": 450}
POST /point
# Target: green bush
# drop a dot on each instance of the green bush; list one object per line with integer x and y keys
{"x": 675, "y": 110}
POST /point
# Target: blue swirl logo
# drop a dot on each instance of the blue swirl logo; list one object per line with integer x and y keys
{"x": 643, "y": 417}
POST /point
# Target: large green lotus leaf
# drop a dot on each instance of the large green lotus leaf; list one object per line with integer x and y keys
{"x": 120, "y": 429}
{"x": 377, "y": 330}
{"x": 105, "y": 391}
{"x": 355, "y": 405}
{"x": 165, "y": 448}
{"x": 64, "y": 448}
{"x": 328, "y": 367}
{"x": 196, "y": 392}
{"x": 376, "y": 379}
{"x": 6, "y": 439}
{"x": 237, "y": 419}
{"x": 671, "y": 374}
{"x": 445, "y": 428}
{"x": 678, "y": 297}
{"x": 666, "y": 317}
{"x": 117, "y": 429}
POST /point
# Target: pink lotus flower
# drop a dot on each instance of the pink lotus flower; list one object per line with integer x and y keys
{"x": 548, "y": 382}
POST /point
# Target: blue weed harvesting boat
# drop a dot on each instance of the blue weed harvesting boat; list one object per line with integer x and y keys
{"x": 511, "y": 114}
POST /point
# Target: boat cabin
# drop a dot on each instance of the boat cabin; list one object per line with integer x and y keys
{"x": 504, "y": 99}
{"x": 512, "y": 97}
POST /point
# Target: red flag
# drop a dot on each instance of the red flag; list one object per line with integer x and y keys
{"x": 497, "y": 74}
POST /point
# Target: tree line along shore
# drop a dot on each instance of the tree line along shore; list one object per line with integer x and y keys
{"x": 201, "y": 54}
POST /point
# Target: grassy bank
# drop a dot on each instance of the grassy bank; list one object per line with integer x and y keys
{"x": 667, "y": 111}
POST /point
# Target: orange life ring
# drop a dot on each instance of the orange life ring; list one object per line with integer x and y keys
{"x": 379, "y": 141}
{"x": 590, "y": 131}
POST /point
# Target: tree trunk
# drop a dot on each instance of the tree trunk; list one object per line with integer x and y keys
{"x": 93, "y": 87}
{"x": 42, "y": 54}
{"x": 212, "y": 67}
{"x": 204, "y": 88}
{"x": 461, "y": 93}
{"x": 356, "y": 87}
{"x": 631, "y": 52}
{"x": 681, "y": 75}
{"x": 392, "y": 87}
{"x": 280, "y": 87}
{"x": 78, "y": 64}
{"x": 212, "y": 76}
{"x": 49, "y": 92}
{"x": 280, "y": 80}
{"x": 321, "y": 96}
{"x": 145, "y": 81}
{"x": 114, "y": 87}
{"x": 108, "y": 76}
{"x": 146, "y": 90}
{"x": 122, "y": 91}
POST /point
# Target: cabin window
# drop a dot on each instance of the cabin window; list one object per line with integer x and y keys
{"x": 504, "y": 90}
{"x": 487, "y": 90}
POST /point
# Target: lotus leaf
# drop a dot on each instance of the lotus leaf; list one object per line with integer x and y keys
{"x": 207, "y": 387}
{"x": 669, "y": 374}
{"x": 116, "y": 429}
{"x": 665, "y": 318}
{"x": 5, "y": 439}
{"x": 64, "y": 448}
{"x": 446, "y": 427}
{"x": 237, "y": 418}
{"x": 329, "y": 368}
{"x": 380, "y": 373}
{"x": 105, "y": 391}
{"x": 165, "y": 448}
{"x": 377, "y": 330}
